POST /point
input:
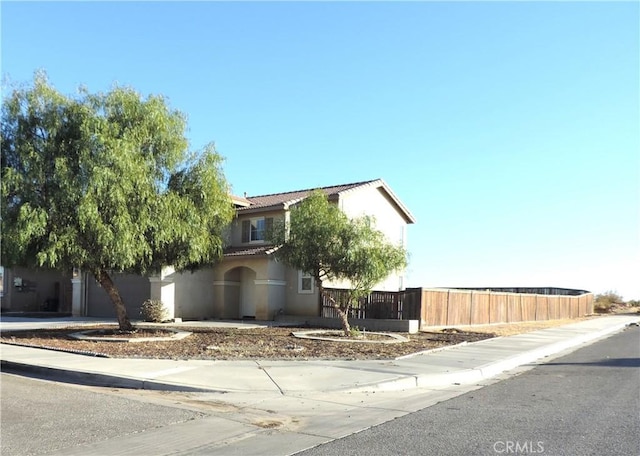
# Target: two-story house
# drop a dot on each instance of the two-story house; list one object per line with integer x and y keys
{"x": 248, "y": 282}
{"x": 251, "y": 283}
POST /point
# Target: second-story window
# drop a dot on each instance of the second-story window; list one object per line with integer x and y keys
{"x": 255, "y": 229}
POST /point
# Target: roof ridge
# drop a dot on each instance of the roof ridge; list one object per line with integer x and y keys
{"x": 353, "y": 184}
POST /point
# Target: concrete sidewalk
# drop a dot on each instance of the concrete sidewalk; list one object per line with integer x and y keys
{"x": 462, "y": 364}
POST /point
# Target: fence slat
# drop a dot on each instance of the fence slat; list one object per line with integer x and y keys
{"x": 480, "y": 303}
{"x": 514, "y": 307}
{"x": 434, "y": 305}
{"x": 459, "y": 308}
{"x": 542, "y": 307}
{"x": 498, "y": 308}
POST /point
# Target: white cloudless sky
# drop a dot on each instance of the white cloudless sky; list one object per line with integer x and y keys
{"x": 511, "y": 130}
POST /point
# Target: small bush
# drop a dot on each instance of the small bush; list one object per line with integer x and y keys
{"x": 603, "y": 302}
{"x": 153, "y": 310}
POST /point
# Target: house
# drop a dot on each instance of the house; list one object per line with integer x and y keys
{"x": 249, "y": 282}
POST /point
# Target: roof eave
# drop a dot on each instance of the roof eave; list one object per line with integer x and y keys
{"x": 261, "y": 209}
{"x": 379, "y": 183}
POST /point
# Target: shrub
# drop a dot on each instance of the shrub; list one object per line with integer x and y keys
{"x": 604, "y": 301}
{"x": 153, "y": 310}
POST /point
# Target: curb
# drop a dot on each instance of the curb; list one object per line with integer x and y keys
{"x": 458, "y": 377}
{"x": 489, "y": 370}
{"x": 493, "y": 369}
{"x": 96, "y": 379}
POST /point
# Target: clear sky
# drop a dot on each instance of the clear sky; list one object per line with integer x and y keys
{"x": 511, "y": 130}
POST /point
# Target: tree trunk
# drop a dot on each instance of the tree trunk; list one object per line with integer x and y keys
{"x": 342, "y": 312}
{"x": 121, "y": 312}
{"x": 342, "y": 315}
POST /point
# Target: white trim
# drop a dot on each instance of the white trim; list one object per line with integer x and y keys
{"x": 264, "y": 229}
{"x": 223, "y": 283}
{"x": 301, "y": 276}
{"x": 270, "y": 282}
{"x": 158, "y": 279}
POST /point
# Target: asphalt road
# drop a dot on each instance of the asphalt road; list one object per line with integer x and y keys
{"x": 40, "y": 417}
{"x": 585, "y": 403}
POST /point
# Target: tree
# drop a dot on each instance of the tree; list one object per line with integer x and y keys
{"x": 105, "y": 182}
{"x": 323, "y": 242}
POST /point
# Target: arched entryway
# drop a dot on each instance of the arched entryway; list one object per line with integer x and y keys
{"x": 240, "y": 292}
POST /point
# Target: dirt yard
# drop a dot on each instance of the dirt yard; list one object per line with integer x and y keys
{"x": 226, "y": 344}
{"x": 261, "y": 343}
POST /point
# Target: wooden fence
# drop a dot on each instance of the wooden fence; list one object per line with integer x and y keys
{"x": 392, "y": 305}
{"x": 474, "y": 307}
{"x": 448, "y": 307}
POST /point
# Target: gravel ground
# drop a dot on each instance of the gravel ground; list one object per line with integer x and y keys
{"x": 263, "y": 343}
{"x": 226, "y": 344}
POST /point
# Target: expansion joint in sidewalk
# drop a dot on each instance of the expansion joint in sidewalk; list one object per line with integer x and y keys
{"x": 270, "y": 377}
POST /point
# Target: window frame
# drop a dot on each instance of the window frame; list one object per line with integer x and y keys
{"x": 302, "y": 276}
{"x": 263, "y": 231}
{"x": 247, "y": 232}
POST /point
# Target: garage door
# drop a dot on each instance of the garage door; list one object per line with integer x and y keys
{"x": 133, "y": 289}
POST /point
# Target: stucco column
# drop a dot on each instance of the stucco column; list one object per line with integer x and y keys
{"x": 77, "y": 294}
{"x": 269, "y": 298}
{"x": 162, "y": 289}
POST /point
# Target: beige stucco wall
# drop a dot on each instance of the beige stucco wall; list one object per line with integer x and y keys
{"x": 249, "y": 287}
{"x": 374, "y": 202}
{"x": 299, "y": 303}
{"x": 259, "y": 264}
{"x": 194, "y": 294}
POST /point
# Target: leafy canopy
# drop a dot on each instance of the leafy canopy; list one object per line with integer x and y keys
{"x": 322, "y": 241}
{"x": 105, "y": 182}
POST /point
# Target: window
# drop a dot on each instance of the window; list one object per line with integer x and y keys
{"x": 255, "y": 229}
{"x": 305, "y": 283}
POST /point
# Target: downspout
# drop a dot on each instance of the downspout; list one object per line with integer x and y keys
{"x": 85, "y": 294}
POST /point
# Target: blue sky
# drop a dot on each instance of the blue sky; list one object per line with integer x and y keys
{"x": 511, "y": 130}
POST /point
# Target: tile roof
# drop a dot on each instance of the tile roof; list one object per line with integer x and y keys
{"x": 277, "y": 201}
{"x": 249, "y": 251}
{"x": 287, "y": 198}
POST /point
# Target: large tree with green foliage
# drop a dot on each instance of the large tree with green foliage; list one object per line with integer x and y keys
{"x": 322, "y": 241}
{"x": 105, "y": 182}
